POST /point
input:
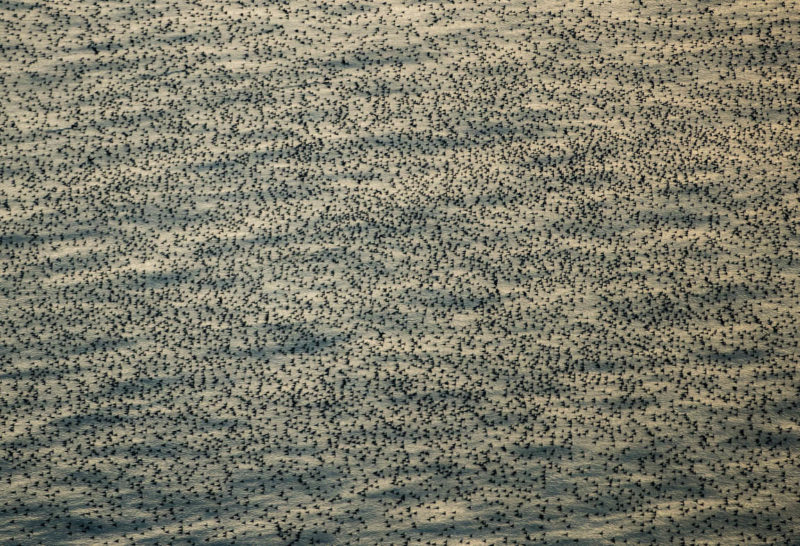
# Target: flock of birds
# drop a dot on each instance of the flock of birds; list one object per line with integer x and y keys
{"x": 400, "y": 272}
